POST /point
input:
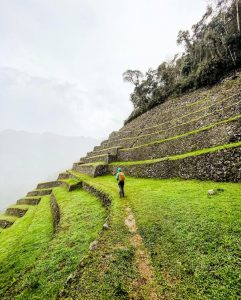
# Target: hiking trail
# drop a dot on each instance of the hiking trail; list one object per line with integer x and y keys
{"x": 146, "y": 281}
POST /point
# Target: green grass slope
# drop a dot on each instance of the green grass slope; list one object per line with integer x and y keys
{"x": 22, "y": 243}
{"x": 188, "y": 240}
{"x": 193, "y": 240}
{"x": 47, "y": 261}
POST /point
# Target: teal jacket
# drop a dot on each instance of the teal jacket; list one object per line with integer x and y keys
{"x": 117, "y": 174}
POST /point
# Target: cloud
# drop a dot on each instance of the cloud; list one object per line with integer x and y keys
{"x": 61, "y": 61}
{"x": 42, "y": 104}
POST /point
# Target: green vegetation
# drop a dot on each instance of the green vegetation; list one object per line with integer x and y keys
{"x": 110, "y": 271}
{"x": 180, "y": 156}
{"x": 212, "y": 50}
{"x": 44, "y": 272}
{"x": 32, "y": 197}
{"x": 193, "y": 240}
{"x": 22, "y": 244}
{"x": 186, "y": 236}
{"x": 21, "y": 206}
{"x": 70, "y": 181}
{"x": 8, "y": 218}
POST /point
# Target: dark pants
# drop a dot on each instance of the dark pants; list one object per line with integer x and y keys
{"x": 121, "y": 187}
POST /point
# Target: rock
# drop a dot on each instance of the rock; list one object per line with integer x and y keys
{"x": 211, "y": 192}
{"x": 93, "y": 245}
{"x": 69, "y": 279}
{"x": 106, "y": 226}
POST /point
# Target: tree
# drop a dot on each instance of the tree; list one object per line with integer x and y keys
{"x": 184, "y": 37}
{"x": 132, "y": 76}
{"x": 238, "y": 17}
{"x": 212, "y": 50}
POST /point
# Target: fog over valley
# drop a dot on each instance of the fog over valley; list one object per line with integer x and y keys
{"x": 29, "y": 158}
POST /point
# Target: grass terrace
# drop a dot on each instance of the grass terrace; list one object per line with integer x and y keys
{"x": 8, "y": 218}
{"x": 193, "y": 241}
{"x": 22, "y": 243}
{"x": 41, "y": 274}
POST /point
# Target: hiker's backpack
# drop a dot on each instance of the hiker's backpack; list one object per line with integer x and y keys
{"x": 121, "y": 176}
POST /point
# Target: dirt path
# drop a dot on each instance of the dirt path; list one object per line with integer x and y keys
{"x": 146, "y": 282}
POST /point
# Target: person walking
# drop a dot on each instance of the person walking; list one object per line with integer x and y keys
{"x": 120, "y": 177}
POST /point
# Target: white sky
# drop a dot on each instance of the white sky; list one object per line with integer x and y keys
{"x": 61, "y": 61}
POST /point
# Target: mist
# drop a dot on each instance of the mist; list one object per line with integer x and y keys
{"x": 29, "y": 158}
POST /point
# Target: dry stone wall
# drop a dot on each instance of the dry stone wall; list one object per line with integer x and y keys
{"x": 93, "y": 171}
{"x": 224, "y": 165}
{"x": 206, "y": 111}
{"x": 215, "y": 136}
{"x": 152, "y": 117}
{"x": 168, "y": 131}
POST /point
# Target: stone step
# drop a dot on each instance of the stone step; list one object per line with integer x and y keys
{"x": 64, "y": 175}
{"x": 71, "y": 186}
{"x": 42, "y": 192}
{"x": 29, "y": 201}
{"x": 106, "y": 151}
{"x": 6, "y": 222}
{"x": 76, "y": 164}
{"x": 16, "y": 211}
{"x": 97, "y": 158}
{"x": 46, "y": 185}
{"x": 93, "y": 170}
{"x": 106, "y": 158}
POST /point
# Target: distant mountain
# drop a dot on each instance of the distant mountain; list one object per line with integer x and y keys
{"x": 28, "y": 158}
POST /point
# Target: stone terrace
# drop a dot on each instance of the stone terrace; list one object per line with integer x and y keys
{"x": 197, "y": 135}
{"x": 204, "y": 120}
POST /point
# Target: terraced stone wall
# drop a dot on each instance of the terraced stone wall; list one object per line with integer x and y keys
{"x": 204, "y": 119}
{"x": 217, "y": 135}
{"x": 224, "y": 165}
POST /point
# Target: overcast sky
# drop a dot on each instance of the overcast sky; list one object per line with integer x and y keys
{"x": 61, "y": 61}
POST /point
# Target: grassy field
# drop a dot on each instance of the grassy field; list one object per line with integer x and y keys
{"x": 22, "y": 243}
{"x": 41, "y": 263}
{"x": 192, "y": 240}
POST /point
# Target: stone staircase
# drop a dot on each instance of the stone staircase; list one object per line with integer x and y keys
{"x": 32, "y": 198}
